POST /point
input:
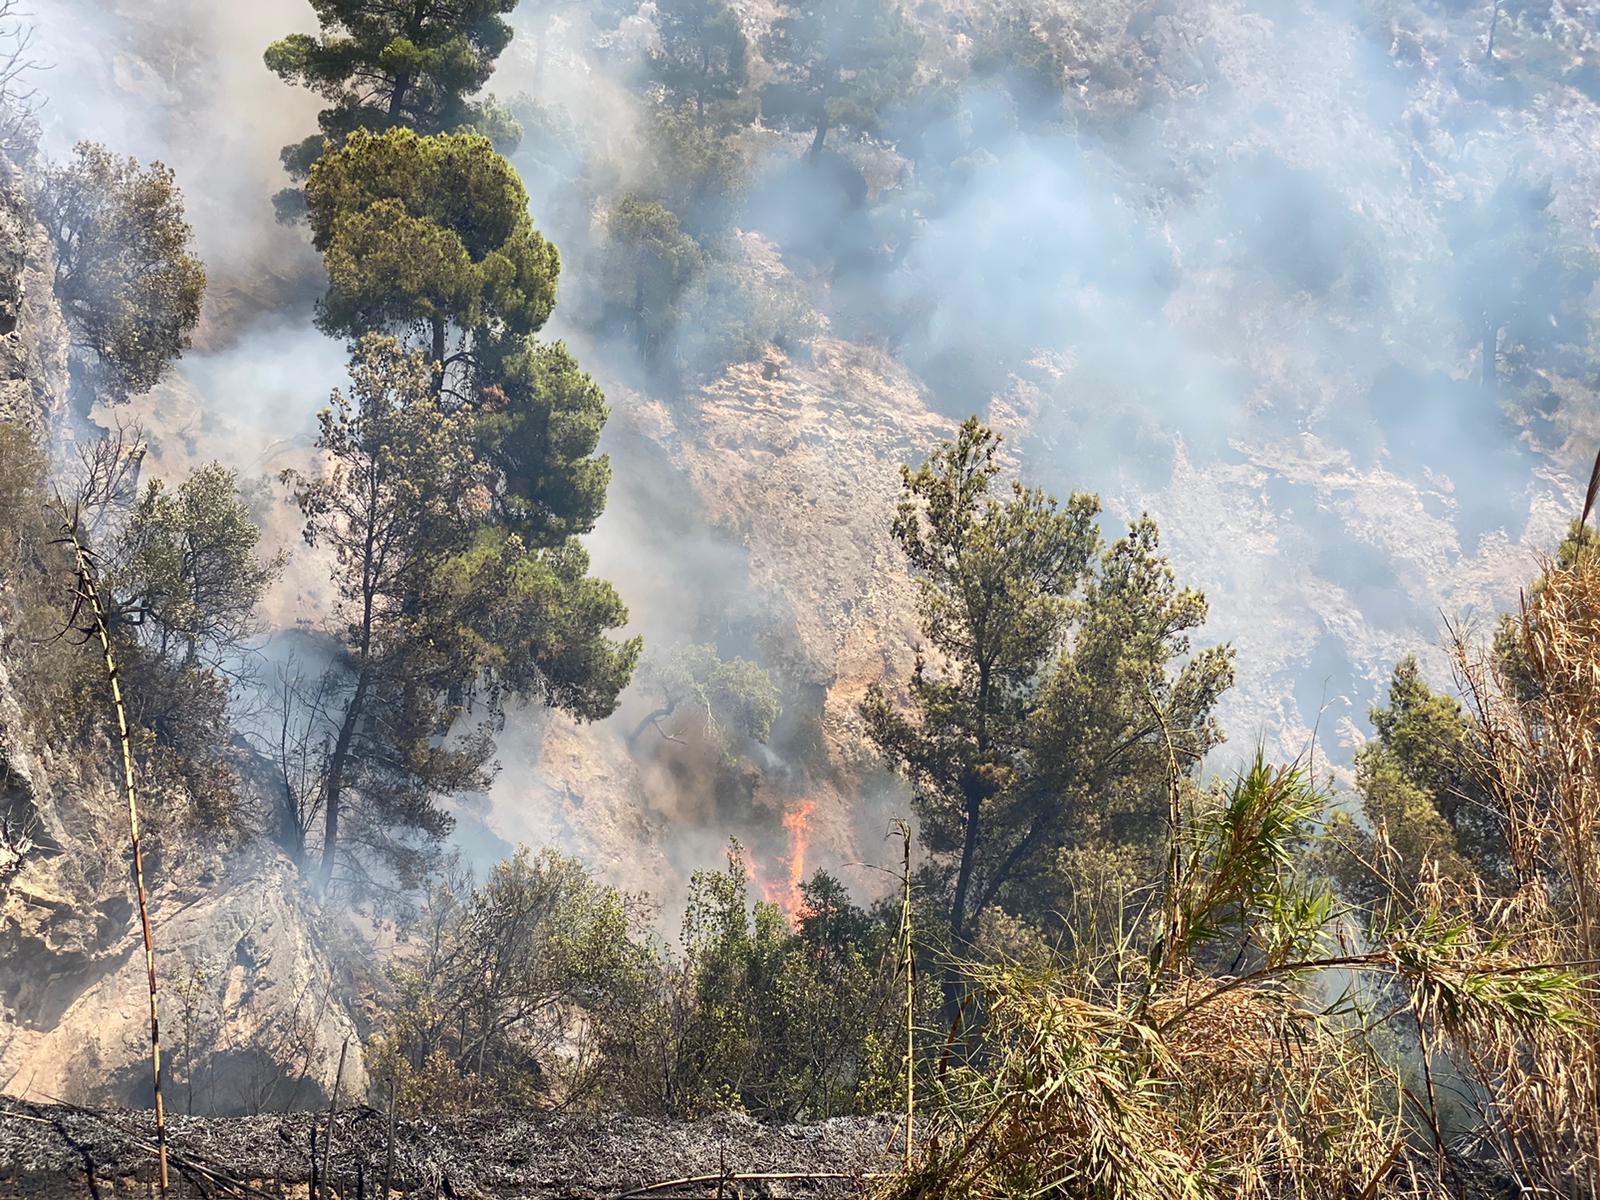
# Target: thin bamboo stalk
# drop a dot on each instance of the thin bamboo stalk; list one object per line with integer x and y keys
{"x": 90, "y": 594}
{"x": 908, "y": 965}
{"x": 333, "y": 1111}
{"x": 388, "y": 1147}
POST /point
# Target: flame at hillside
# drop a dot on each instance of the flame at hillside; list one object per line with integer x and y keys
{"x": 784, "y": 891}
{"x": 796, "y": 825}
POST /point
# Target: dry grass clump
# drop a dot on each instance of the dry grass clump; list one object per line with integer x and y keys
{"x": 1252, "y": 1096}
{"x": 1537, "y": 711}
{"x": 1141, "y": 1071}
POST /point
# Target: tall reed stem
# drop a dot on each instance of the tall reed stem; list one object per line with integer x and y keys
{"x": 90, "y": 595}
{"x": 908, "y": 965}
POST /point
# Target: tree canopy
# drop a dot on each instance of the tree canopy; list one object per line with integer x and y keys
{"x": 727, "y": 697}
{"x": 388, "y": 63}
{"x": 186, "y": 574}
{"x": 838, "y": 64}
{"x": 538, "y": 425}
{"x": 1052, "y": 695}
{"x": 422, "y": 233}
{"x": 496, "y": 993}
{"x": 702, "y": 59}
{"x": 126, "y": 276}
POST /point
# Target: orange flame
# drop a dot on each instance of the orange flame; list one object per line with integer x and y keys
{"x": 795, "y": 825}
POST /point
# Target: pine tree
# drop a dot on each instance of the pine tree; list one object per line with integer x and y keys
{"x": 649, "y": 262}
{"x": 424, "y": 234}
{"x": 702, "y": 58}
{"x": 394, "y": 505}
{"x": 1052, "y": 691}
{"x": 389, "y": 63}
{"x": 839, "y": 64}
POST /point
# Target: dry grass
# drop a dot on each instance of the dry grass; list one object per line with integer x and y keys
{"x": 1538, "y": 724}
{"x": 1129, "y": 1071}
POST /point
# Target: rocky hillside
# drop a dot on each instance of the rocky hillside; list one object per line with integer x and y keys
{"x": 1232, "y": 308}
{"x": 251, "y": 1015}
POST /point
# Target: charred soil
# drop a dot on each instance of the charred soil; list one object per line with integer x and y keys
{"x": 52, "y": 1151}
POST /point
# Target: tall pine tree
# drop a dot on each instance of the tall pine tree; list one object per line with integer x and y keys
{"x": 382, "y": 64}
{"x": 703, "y": 56}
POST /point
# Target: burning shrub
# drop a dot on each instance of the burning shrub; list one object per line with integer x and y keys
{"x": 759, "y": 1015}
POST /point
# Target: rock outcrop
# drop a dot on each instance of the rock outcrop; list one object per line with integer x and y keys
{"x": 248, "y": 984}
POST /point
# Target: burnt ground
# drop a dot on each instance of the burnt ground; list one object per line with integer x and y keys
{"x": 50, "y": 1151}
{"x": 58, "y": 1152}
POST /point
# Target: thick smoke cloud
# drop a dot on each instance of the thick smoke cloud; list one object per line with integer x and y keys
{"x": 1216, "y": 283}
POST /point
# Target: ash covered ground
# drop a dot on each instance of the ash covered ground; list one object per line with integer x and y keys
{"x": 50, "y": 1151}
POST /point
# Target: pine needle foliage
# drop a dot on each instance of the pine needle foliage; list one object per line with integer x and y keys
{"x": 1131, "y": 1068}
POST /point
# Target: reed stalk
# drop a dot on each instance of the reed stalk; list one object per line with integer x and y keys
{"x": 908, "y": 966}
{"x": 89, "y": 594}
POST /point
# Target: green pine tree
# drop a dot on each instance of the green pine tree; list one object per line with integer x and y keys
{"x": 838, "y": 64}
{"x": 383, "y": 64}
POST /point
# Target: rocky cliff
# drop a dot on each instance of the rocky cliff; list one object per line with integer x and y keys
{"x": 250, "y": 1019}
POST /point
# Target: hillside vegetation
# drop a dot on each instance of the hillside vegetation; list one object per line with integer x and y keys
{"x": 816, "y": 295}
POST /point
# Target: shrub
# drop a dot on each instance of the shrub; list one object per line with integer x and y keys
{"x": 126, "y": 277}
{"x": 739, "y": 312}
{"x": 490, "y": 994}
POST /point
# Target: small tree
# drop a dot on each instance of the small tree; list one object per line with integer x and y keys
{"x": 1010, "y": 47}
{"x": 649, "y": 261}
{"x": 19, "y": 98}
{"x": 187, "y": 574}
{"x": 384, "y": 64}
{"x": 493, "y": 1004}
{"x": 126, "y": 278}
{"x": 838, "y": 65}
{"x": 1520, "y": 280}
{"x": 702, "y": 56}
{"x": 691, "y": 170}
{"x": 420, "y": 234}
{"x": 723, "y": 696}
{"x": 1052, "y": 693}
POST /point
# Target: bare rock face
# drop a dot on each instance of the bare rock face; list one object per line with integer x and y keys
{"x": 250, "y": 994}
{"x": 250, "y": 1018}
{"x": 33, "y": 336}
